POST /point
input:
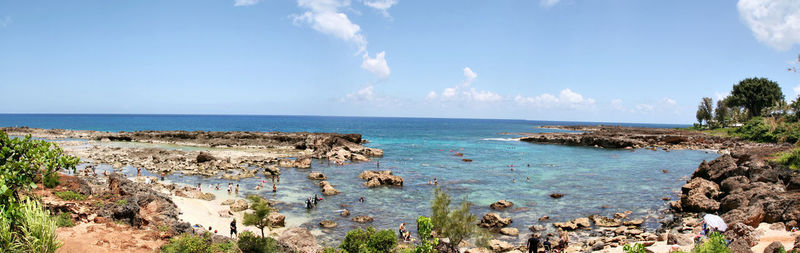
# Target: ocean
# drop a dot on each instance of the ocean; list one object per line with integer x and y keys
{"x": 593, "y": 180}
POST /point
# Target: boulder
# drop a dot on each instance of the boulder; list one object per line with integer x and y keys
{"x": 556, "y": 195}
{"x": 735, "y": 184}
{"x": 302, "y": 163}
{"x": 582, "y": 222}
{"x": 739, "y": 246}
{"x": 569, "y": 226}
{"x": 299, "y": 240}
{"x": 742, "y": 232}
{"x": 493, "y": 220}
{"x": 634, "y": 222}
{"x": 204, "y": 157}
{"x": 228, "y": 202}
{"x": 225, "y": 213}
{"x": 239, "y": 205}
{"x": 536, "y": 228}
{"x": 751, "y": 215}
{"x": 602, "y": 221}
{"x": 509, "y": 231}
{"x": 620, "y": 216}
{"x": 383, "y": 178}
{"x": 501, "y": 205}
{"x": 477, "y": 250}
{"x": 345, "y": 213}
{"x": 733, "y": 201}
{"x": 362, "y": 219}
{"x": 500, "y": 246}
{"x": 544, "y": 218}
{"x": 774, "y": 247}
{"x": 718, "y": 169}
{"x": 276, "y": 220}
{"x": 317, "y": 176}
{"x": 328, "y": 224}
{"x": 272, "y": 170}
{"x": 678, "y": 239}
{"x": 699, "y": 196}
{"x": 327, "y": 188}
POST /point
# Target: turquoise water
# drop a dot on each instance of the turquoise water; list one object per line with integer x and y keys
{"x": 422, "y": 149}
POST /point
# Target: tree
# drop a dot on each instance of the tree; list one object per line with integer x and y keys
{"x": 704, "y": 111}
{"x": 721, "y": 114}
{"x": 457, "y": 224}
{"x": 427, "y": 242}
{"x": 755, "y": 94}
{"x": 258, "y": 217}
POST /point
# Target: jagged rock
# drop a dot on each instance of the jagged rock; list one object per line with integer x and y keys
{"x": 228, "y": 202}
{"x": 582, "y": 222}
{"x": 204, "y": 157}
{"x": 144, "y": 207}
{"x": 733, "y": 201}
{"x": 751, "y": 216}
{"x": 276, "y": 220}
{"x": 774, "y": 247}
{"x": 225, "y": 213}
{"x": 239, "y": 205}
{"x": 509, "y": 231}
{"x": 302, "y": 163}
{"x": 500, "y": 246}
{"x": 299, "y": 240}
{"x": 569, "y": 226}
{"x": 735, "y": 184}
{"x": 493, "y": 220}
{"x": 272, "y": 170}
{"x": 620, "y": 216}
{"x": 535, "y": 228}
{"x": 718, "y": 169}
{"x": 328, "y": 224}
{"x": 317, "y": 176}
{"x": 635, "y": 222}
{"x": 678, "y": 239}
{"x": 327, "y": 188}
{"x": 501, "y": 205}
{"x": 602, "y": 221}
{"x": 362, "y": 219}
{"x": 739, "y": 246}
{"x": 741, "y": 232}
{"x": 544, "y": 218}
{"x": 383, "y": 178}
{"x": 556, "y": 195}
{"x": 698, "y": 196}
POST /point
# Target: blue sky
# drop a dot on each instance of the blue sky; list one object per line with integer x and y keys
{"x": 620, "y": 61}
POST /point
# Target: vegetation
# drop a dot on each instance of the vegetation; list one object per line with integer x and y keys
{"x": 704, "y": 111}
{"x": 635, "y": 248}
{"x": 250, "y": 243}
{"x": 258, "y": 217}
{"x": 51, "y": 180}
{"x": 24, "y": 225}
{"x": 424, "y": 229}
{"x": 122, "y": 202}
{"x": 755, "y": 94}
{"x": 455, "y": 224}
{"x": 64, "y": 220}
{"x": 369, "y": 241}
{"x": 791, "y": 159}
{"x": 189, "y": 243}
{"x": 714, "y": 244}
{"x": 70, "y": 195}
{"x": 769, "y": 129}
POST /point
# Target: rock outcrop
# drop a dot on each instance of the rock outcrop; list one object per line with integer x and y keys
{"x": 501, "y": 205}
{"x": 493, "y": 220}
{"x": 299, "y": 240}
{"x": 379, "y": 178}
{"x": 327, "y": 188}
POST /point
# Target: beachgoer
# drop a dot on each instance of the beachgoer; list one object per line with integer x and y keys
{"x": 139, "y": 172}
{"x": 315, "y": 199}
{"x": 533, "y": 243}
{"x": 216, "y": 187}
{"x": 378, "y": 165}
{"x": 404, "y": 234}
{"x": 546, "y": 244}
{"x": 279, "y": 178}
{"x": 237, "y": 189}
{"x": 198, "y": 187}
{"x": 105, "y": 173}
{"x": 233, "y": 228}
{"x": 308, "y": 203}
{"x": 528, "y": 179}
{"x": 274, "y": 188}
{"x": 162, "y": 177}
{"x": 361, "y": 199}
{"x": 563, "y": 242}
{"x": 435, "y": 181}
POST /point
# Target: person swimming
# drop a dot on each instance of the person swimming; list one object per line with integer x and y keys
{"x": 308, "y": 203}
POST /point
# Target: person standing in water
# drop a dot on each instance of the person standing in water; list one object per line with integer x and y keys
{"x": 237, "y": 189}
{"x": 533, "y": 243}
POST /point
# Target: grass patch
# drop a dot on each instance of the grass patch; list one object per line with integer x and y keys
{"x": 122, "y": 202}
{"x": 790, "y": 158}
{"x": 64, "y": 220}
{"x": 70, "y": 195}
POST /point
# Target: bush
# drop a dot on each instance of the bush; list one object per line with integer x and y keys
{"x": 70, "y": 195}
{"x": 50, "y": 180}
{"x": 635, "y": 248}
{"x": 122, "y": 202}
{"x": 189, "y": 243}
{"x": 251, "y": 243}
{"x": 427, "y": 242}
{"x": 714, "y": 244}
{"x": 64, "y": 220}
{"x": 768, "y": 130}
{"x": 790, "y": 159}
{"x": 456, "y": 224}
{"x": 369, "y": 240}
{"x": 37, "y": 230}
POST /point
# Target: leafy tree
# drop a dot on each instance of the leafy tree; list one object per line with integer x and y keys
{"x": 755, "y": 94}
{"x": 258, "y": 217}
{"x": 369, "y": 241}
{"x": 250, "y": 243}
{"x": 721, "y": 114}
{"x": 704, "y": 110}
{"x": 456, "y": 224}
{"x": 424, "y": 229}
{"x": 794, "y": 108}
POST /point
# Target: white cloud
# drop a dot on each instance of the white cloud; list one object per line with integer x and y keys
{"x": 431, "y": 96}
{"x": 381, "y": 5}
{"x": 773, "y": 22}
{"x": 327, "y": 17}
{"x": 469, "y": 75}
{"x": 245, "y": 2}
{"x": 721, "y": 95}
{"x": 663, "y": 105}
{"x": 567, "y": 99}
{"x": 366, "y": 93}
{"x": 376, "y": 65}
{"x": 465, "y": 91}
{"x": 668, "y": 101}
{"x": 548, "y": 3}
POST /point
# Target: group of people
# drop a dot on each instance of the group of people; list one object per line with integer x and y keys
{"x": 311, "y": 203}
{"x": 536, "y": 242}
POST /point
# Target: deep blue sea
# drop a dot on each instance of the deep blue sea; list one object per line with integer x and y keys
{"x": 420, "y": 149}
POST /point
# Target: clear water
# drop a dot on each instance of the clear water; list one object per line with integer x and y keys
{"x": 422, "y": 149}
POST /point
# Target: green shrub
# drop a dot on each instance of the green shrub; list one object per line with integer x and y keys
{"x": 36, "y": 231}
{"x": 369, "y": 240}
{"x": 122, "y": 202}
{"x": 64, "y": 220}
{"x": 427, "y": 242}
{"x": 50, "y": 180}
{"x": 768, "y": 129}
{"x": 790, "y": 159}
{"x": 635, "y": 248}
{"x": 251, "y": 243}
{"x": 70, "y": 195}
{"x": 456, "y": 224}
{"x": 189, "y": 243}
{"x": 714, "y": 244}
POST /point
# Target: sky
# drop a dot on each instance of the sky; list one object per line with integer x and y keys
{"x": 607, "y": 61}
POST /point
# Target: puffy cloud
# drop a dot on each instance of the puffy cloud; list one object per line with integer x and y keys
{"x": 465, "y": 91}
{"x": 548, "y": 3}
{"x": 325, "y": 16}
{"x": 366, "y": 93}
{"x": 775, "y": 23}
{"x": 245, "y": 2}
{"x": 566, "y": 99}
{"x": 376, "y": 65}
{"x": 381, "y": 5}
{"x": 721, "y": 95}
{"x": 664, "y": 104}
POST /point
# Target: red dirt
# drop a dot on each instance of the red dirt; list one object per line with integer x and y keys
{"x": 108, "y": 237}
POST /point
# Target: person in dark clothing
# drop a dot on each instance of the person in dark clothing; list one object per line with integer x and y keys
{"x": 315, "y": 199}
{"x": 233, "y": 228}
{"x": 309, "y": 205}
{"x": 546, "y": 244}
{"x": 533, "y": 243}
